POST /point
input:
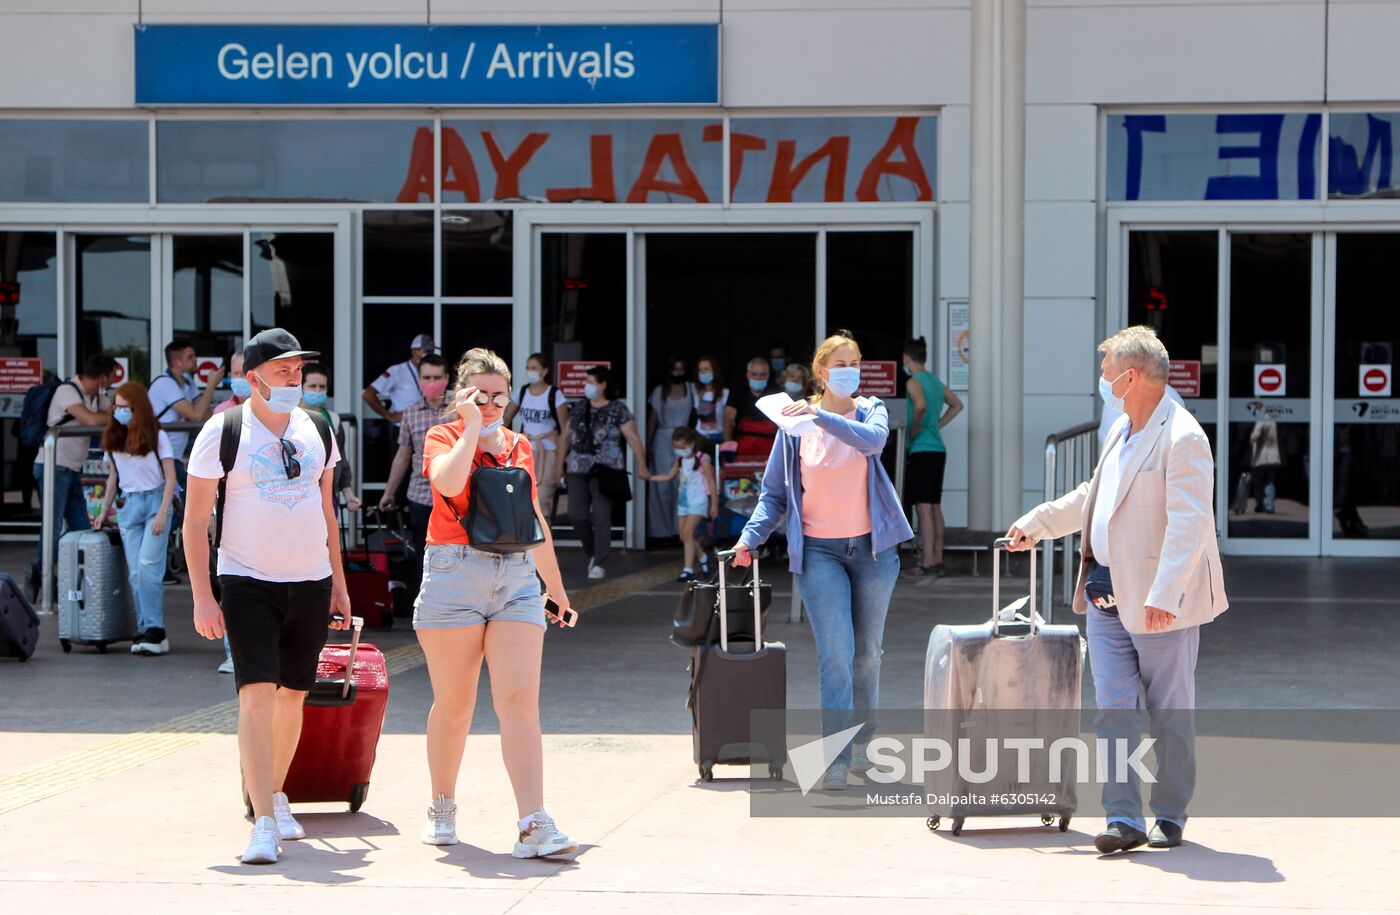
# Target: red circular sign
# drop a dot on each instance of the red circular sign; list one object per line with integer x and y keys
{"x": 119, "y": 373}
{"x": 1270, "y": 379}
{"x": 1374, "y": 381}
{"x": 205, "y": 367}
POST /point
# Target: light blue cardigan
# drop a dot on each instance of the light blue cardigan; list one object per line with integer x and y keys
{"x": 782, "y": 482}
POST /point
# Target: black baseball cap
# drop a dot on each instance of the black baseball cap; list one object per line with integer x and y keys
{"x": 270, "y": 344}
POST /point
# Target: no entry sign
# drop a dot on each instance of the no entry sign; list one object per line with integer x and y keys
{"x": 1270, "y": 380}
{"x": 571, "y": 374}
{"x": 204, "y": 367}
{"x": 123, "y": 370}
{"x": 1374, "y": 380}
{"x": 878, "y": 378}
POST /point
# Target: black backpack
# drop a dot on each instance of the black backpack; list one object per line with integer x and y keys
{"x": 500, "y": 508}
{"x": 34, "y": 415}
{"x": 551, "y": 395}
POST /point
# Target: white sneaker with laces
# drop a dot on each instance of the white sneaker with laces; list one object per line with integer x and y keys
{"x": 287, "y": 825}
{"x": 441, "y": 828}
{"x": 595, "y": 571}
{"x": 262, "y": 845}
{"x": 539, "y": 837}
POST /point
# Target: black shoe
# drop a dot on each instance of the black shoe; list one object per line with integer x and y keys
{"x": 171, "y": 578}
{"x": 1118, "y": 837}
{"x": 1164, "y": 834}
{"x": 36, "y": 579}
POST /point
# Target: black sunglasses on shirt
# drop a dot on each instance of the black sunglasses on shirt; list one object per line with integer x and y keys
{"x": 289, "y": 459}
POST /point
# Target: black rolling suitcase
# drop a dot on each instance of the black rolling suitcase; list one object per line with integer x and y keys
{"x": 726, "y": 685}
{"x": 19, "y": 626}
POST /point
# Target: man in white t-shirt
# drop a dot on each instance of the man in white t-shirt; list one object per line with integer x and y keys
{"x": 280, "y": 571}
{"x": 176, "y": 398}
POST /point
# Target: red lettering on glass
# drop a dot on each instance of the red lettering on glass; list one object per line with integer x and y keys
{"x": 665, "y": 146}
{"x": 786, "y": 178}
{"x": 419, "y": 180}
{"x": 901, "y": 139}
{"x": 458, "y": 167}
{"x": 601, "y": 187}
{"x": 508, "y": 168}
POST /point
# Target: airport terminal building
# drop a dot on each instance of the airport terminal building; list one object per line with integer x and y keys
{"x": 622, "y": 182}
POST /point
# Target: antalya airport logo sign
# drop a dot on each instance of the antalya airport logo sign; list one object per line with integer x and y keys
{"x": 673, "y": 64}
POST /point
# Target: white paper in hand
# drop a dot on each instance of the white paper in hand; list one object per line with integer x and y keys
{"x": 772, "y": 407}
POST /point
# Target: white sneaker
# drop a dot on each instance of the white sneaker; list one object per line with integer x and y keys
{"x": 835, "y": 779}
{"x": 287, "y": 825}
{"x": 540, "y": 837}
{"x": 595, "y": 571}
{"x": 227, "y": 666}
{"x": 441, "y": 828}
{"x": 262, "y": 845}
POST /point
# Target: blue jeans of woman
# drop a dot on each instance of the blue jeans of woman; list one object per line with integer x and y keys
{"x": 145, "y": 555}
{"x": 847, "y": 591}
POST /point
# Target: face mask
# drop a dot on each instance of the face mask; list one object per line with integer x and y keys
{"x": 757, "y": 385}
{"x": 315, "y": 398}
{"x": 240, "y": 388}
{"x": 778, "y": 364}
{"x": 488, "y": 430}
{"x": 531, "y": 377}
{"x": 188, "y": 376}
{"x": 433, "y": 390}
{"x": 793, "y": 387}
{"x": 281, "y": 400}
{"x": 1106, "y": 392}
{"x": 906, "y": 368}
{"x": 590, "y": 391}
{"x": 707, "y": 377}
{"x": 684, "y": 452}
{"x": 844, "y": 380}
{"x": 122, "y": 415}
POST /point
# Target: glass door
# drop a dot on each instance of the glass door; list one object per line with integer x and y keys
{"x": 1361, "y": 426}
{"x": 1270, "y": 460}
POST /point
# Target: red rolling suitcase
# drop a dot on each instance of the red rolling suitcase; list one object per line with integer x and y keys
{"x": 367, "y": 580}
{"x": 341, "y": 725}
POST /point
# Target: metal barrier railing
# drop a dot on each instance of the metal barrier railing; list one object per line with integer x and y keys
{"x": 1070, "y": 458}
{"x": 48, "y": 522}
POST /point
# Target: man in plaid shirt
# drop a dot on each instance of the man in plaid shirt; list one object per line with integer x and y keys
{"x": 413, "y": 430}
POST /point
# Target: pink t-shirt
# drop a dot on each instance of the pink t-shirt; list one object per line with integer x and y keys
{"x": 835, "y": 494}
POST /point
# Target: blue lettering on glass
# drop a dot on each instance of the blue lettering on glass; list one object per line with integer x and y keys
{"x": 1349, "y": 175}
{"x": 1264, "y": 185}
{"x": 1135, "y": 125}
{"x": 1307, "y": 157}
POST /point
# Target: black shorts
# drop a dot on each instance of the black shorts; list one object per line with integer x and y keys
{"x": 276, "y": 629}
{"x": 923, "y": 477}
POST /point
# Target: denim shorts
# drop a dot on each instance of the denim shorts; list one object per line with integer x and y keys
{"x": 463, "y": 586}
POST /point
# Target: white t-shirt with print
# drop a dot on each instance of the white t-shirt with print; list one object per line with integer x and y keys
{"x": 164, "y": 392}
{"x": 274, "y": 528}
{"x": 538, "y": 417}
{"x": 138, "y": 474}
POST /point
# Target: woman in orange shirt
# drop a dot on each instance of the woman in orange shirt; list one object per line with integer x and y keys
{"x": 477, "y": 604}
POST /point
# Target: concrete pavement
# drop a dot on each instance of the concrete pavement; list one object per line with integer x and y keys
{"x": 120, "y": 774}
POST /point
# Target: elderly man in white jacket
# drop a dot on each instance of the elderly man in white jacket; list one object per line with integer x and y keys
{"x": 1149, "y": 578}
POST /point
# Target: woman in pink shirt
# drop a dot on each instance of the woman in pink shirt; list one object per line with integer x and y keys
{"x": 844, "y": 525}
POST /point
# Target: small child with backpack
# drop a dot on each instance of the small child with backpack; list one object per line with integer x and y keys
{"x": 143, "y": 466}
{"x": 697, "y": 497}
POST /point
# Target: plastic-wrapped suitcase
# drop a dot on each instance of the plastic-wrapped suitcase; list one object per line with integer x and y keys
{"x": 95, "y": 605}
{"x": 341, "y": 723}
{"x": 19, "y": 626}
{"x": 727, "y": 685}
{"x": 1011, "y": 674}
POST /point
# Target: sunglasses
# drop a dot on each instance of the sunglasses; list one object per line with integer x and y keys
{"x": 500, "y": 400}
{"x": 289, "y": 459}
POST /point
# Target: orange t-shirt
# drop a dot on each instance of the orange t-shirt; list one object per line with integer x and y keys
{"x": 516, "y": 452}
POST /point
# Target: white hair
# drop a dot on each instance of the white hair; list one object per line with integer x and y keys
{"x": 1138, "y": 347}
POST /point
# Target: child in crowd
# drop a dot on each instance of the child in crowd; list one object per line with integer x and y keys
{"x": 697, "y": 497}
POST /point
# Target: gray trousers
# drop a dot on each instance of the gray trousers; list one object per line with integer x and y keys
{"x": 590, "y": 513}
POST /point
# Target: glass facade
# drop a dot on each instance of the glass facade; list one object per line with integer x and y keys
{"x": 61, "y": 161}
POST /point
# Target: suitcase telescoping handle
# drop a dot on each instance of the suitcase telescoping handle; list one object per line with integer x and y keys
{"x": 1004, "y": 543}
{"x": 356, "y": 624}
{"x": 723, "y": 560}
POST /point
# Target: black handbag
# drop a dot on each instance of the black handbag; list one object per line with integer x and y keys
{"x": 697, "y": 615}
{"x": 500, "y": 508}
{"x": 614, "y": 485}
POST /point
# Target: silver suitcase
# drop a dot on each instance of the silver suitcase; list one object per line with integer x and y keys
{"x": 95, "y": 604}
{"x": 1013, "y": 675}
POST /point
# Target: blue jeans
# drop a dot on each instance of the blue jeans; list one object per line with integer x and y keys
{"x": 70, "y": 509}
{"x": 145, "y": 555}
{"x": 1161, "y": 665}
{"x": 847, "y": 592}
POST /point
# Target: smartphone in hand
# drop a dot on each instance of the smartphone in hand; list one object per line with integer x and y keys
{"x": 567, "y": 620}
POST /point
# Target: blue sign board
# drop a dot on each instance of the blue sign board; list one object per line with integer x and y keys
{"x": 266, "y": 65}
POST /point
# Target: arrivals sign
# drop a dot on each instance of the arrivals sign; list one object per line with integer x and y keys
{"x": 671, "y": 64}
{"x": 571, "y": 375}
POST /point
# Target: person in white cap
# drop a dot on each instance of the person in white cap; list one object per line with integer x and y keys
{"x": 389, "y": 396}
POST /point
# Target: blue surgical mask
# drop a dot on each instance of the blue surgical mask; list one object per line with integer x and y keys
{"x": 778, "y": 364}
{"x": 844, "y": 380}
{"x": 1106, "y": 392}
{"x": 282, "y": 400}
{"x": 122, "y": 415}
{"x": 315, "y": 398}
{"x": 706, "y": 377}
{"x": 240, "y": 388}
{"x": 188, "y": 376}
{"x": 757, "y": 385}
{"x": 488, "y": 430}
{"x": 793, "y": 387}
{"x": 590, "y": 391}
{"x": 684, "y": 452}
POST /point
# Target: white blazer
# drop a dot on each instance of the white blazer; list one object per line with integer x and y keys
{"x": 1162, "y": 530}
